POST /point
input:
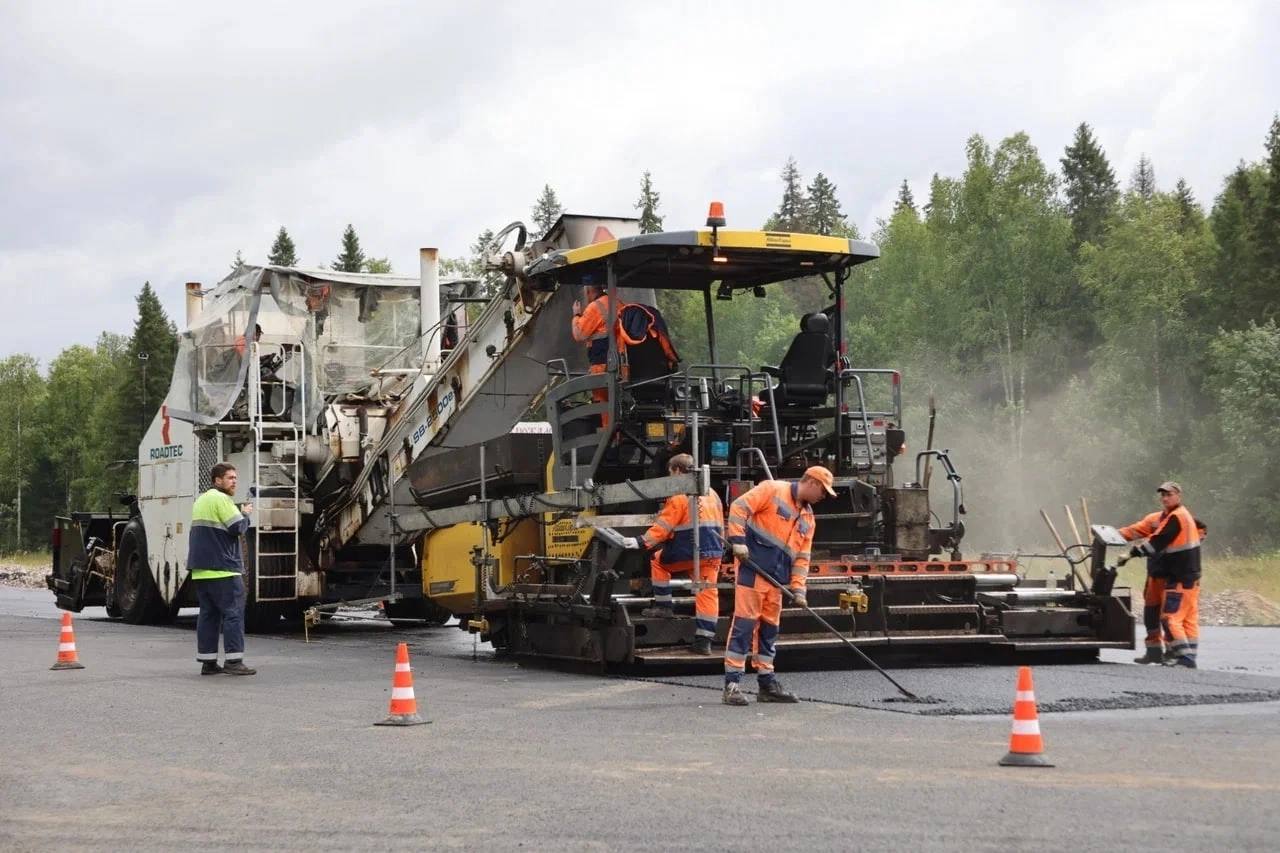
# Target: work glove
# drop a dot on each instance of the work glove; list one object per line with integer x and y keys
{"x": 739, "y": 550}
{"x": 631, "y": 543}
{"x": 798, "y": 598}
{"x": 1124, "y": 558}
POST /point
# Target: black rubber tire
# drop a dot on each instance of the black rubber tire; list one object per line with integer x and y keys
{"x": 263, "y": 618}
{"x": 138, "y": 599}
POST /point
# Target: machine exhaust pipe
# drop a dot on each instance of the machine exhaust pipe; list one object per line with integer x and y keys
{"x": 429, "y": 295}
{"x": 195, "y": 302}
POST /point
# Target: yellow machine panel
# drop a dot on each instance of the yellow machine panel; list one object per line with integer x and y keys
{"x": 448, "y": 573}
{"x": 564, "y": 540}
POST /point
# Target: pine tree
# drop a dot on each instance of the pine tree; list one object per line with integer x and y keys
{"x": 1090, "y": 186}
{"x": 906, "y": 201}
{"x": 351, "y": 258}
{"x": 1232, "y": 221}
{"x": 283, "y": 253}
{"x": 1267, "y": 228}
{"x": 792, "y": 211}
{"x": 480, "y": 250}
{"x": 1143, "y": 182}
{"x": 144, "y": 378}
{"x": 1190, "y": 216}
{"x": 823, "y": 212}
{"x": 546, "y": 210}
{"x": 940, "y": 210}
{"x": 238, "y": 264}
{"x": 650, "y": 221}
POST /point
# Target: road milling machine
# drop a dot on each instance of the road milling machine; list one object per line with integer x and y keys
{"x": 443, "y": 448}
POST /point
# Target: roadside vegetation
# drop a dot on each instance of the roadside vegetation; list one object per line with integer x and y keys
{"x": 1081, "y": 334}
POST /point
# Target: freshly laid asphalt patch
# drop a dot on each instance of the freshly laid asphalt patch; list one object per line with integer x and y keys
{"x": 989, "y": 689}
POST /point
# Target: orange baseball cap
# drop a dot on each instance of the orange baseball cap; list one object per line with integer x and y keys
{"x": 823, "y": 476}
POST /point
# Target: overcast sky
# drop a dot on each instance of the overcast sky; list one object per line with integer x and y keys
{"x": 151, "y": 141}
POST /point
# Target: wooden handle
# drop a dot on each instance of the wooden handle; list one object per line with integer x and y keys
{"x": 1071, "y": 519}
{"x": 1061, "y": 546}
{"x": 1084, "y": 511}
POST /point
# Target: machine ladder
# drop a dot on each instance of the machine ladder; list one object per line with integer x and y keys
{"x": 277, "y": 476}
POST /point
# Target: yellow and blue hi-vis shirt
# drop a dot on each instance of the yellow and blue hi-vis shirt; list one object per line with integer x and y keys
{"x": 216, "y": 525}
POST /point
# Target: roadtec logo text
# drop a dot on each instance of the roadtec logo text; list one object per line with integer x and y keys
{"x": 169, "y": 451}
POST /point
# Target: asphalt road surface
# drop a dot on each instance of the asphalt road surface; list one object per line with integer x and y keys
{"x": 137, "y": 751}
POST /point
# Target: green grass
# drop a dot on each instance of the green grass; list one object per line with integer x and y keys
{"x": 27, "y": 559}
{"x": 1259, "y": 573}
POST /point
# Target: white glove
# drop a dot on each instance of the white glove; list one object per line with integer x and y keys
{"x": 631, "y": 543}
{"x": 739, "y": 550}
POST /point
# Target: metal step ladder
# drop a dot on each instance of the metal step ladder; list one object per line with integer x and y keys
{"x": 277, "y": 477}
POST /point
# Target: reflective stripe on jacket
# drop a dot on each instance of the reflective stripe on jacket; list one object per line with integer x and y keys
{"x": 1172, "y": 545}
{"x": 777, "y": 531}
{"x": 216, "y": 525}
{"x": 674, "y": 527}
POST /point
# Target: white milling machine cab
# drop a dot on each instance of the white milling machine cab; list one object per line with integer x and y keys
{"x": 353, "y": 378}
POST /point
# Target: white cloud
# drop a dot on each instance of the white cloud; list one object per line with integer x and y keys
{"x": 154, "y": 144}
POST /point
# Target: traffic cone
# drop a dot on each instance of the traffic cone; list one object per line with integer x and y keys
{"x": 404, "y": 707}
{"x": 67, "y": 657}
{"x": 1026, "y": 747}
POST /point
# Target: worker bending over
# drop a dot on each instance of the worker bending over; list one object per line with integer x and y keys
{"x": 1171, "y": 597}
{"x": 591, "y": 327}
{"x": 771, "y": 530}
{"x": 673, "y": 530}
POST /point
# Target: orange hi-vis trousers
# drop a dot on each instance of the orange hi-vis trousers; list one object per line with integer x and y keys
{"x": 600, "y": 395}
{"x": 1181, "y": 617}
{"x": 757, "y": 613}
{"x": 706, "y": 604}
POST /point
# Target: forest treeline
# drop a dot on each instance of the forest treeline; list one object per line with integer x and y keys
{"x": 1082, "y": 335}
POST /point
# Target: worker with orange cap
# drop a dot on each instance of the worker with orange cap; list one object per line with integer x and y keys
{"x": 771, "y": 530}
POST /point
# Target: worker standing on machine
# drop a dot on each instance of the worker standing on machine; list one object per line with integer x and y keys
{"x": 771, "y": 530}
{"x": 1171, "y": 597}
{"x": 591, "y": 327}
{"x": 673, "y": 530}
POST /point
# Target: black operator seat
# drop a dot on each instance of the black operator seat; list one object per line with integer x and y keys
{"x": 647, "y": 352}
{"x": 804, "y": 376}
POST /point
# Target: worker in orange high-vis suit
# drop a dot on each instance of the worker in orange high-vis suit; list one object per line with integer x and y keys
{"x": 673, "y": 530}
{"x": 770, "y": 530}
{"x": 1152, "y": 590}
{"x": 591, "y": 327}
{"x": 1172, "y": 548}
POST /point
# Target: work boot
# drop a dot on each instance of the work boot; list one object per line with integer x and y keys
{"x": 733, "y": 695}
{"x": 210, "y": 667}
{"x": 658, "y": 611}
{"x": 237, "y": 667}
{"x": 773, "y": 691}
{"x": 1181, "y": 660}
{"x": 1152, "y": 656}
{"x": 701, "y": 646}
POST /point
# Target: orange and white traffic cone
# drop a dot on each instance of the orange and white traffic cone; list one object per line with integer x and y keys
{"x": 404, "y": 707}
{"x": 1026, "y": 747}
{"x": 67, "y": 657}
